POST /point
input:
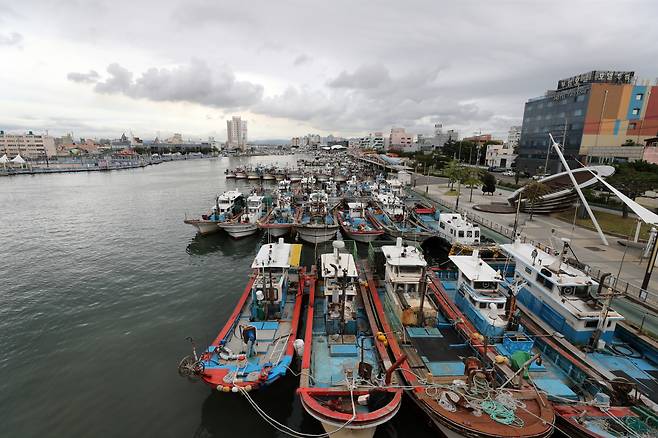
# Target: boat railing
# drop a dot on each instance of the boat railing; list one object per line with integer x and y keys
{"x": 279, "y": 348}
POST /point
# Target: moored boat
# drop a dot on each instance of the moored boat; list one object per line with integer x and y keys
{"x": 255, "y": 347}
{"x": 454, "y": 377}
{"x": 341, "y": 382}
{"x": 246, "y": 224}
{"x": 355, "y": 224}
{"x": 316, "y": 224}
{"x": 227, "y": 205}
{"x": 281, "y": 218}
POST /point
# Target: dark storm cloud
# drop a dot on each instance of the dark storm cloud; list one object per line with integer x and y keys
{"x": 88, "y": 78}
{"x": 194, "y": 82}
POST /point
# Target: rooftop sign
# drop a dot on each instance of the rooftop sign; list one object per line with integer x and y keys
{"x": 608, "y": 76}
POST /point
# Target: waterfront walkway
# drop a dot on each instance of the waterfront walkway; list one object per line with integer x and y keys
{"x": 547, "y": 231}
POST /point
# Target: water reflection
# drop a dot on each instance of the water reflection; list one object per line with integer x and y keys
{"x": 210, "y": 243}
{"x": 231, "y": 414}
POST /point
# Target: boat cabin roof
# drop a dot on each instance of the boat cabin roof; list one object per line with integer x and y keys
{"x": 403, "y": 256}
{"x": 257, "y": 198}
{"x": 355, "y": 205}
{"x": 568, "y": 275}
{"x": 230, "y": 195}
{"x": 475, "y": 269}
{"x": 273, "y": 255}
{"x": 345, "y": 261}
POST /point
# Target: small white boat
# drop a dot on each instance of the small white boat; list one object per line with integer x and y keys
{"x": 227, "y": 205}
{"x": 247, "y": 223}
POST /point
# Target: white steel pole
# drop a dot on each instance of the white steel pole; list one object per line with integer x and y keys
{"x": 556, "y": 146}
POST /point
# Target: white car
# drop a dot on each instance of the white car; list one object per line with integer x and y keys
{"x": 508, "y": 173}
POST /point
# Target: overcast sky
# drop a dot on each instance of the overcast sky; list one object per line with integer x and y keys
{"x": 100, "y": 67}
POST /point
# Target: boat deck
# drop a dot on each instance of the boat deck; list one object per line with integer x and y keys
{"x": 271, "y": 343}
{"x": 334, "y": 355}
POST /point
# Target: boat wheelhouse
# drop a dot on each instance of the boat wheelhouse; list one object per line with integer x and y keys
{"x": 456, "y": 229}
{"x": 255, "y": 347}
{"x": 246, "y": 224}
{"x": 227, "y": 205}
{"x": 560, "y": 294}
{"x": 478, "y": 295}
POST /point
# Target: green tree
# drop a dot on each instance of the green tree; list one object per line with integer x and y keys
{"x": 471, "y": 179}
{"x": 453, "y": 171}
{"x": 633, "y": 179}
{"x": 488, "y": 183}
{"x": 532, "y": 192}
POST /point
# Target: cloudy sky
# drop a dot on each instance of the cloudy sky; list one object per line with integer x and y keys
{"x": 347, "y": 67}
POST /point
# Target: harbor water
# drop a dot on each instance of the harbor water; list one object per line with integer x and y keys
{"x": 101, "y": 282}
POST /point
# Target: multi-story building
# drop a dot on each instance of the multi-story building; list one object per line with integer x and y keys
{"x": 372, "y": 141}
{"x": 236, "y": 133}
{"x": 513, "y": 136}
{"x": 400, "y": 140}
{"x": 595, "y": 115}
{"x": 500, "y": 155}
{"x": 438, "y": 140}
{"x": 28, "y": 145}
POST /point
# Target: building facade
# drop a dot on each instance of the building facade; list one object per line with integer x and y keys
{"x": 28, "y": 145}
{"x": 236, "y": 133}
{"x": 500, "y": 155}
{"x": 513, "y": 136}
{"x": 593, "y": 115}
{"x": 400, "y": 140}
{"x": 372, "y": 141}
{"x": 438, "y": 139}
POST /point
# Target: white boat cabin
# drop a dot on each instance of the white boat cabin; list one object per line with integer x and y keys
{"x": 456, "y": 229}
{"x": 555, "y": 287}
{"x": 255, "y": 207}
{"x": 478, "y": 284}
{"x": 226, "y": 201}
{"x": 356, "y": 209}
{"x": 271, "y": 267}
{"x": 404, "y": 269}
{"x": 339, "y": 275}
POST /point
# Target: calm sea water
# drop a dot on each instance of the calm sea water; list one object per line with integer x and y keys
{"x": 100, "y": 283}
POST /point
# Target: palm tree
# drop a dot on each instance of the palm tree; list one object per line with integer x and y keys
{"x": 472, "y": 179}
{"x": 532, "y": 192}
{"x": 453, "y": 172}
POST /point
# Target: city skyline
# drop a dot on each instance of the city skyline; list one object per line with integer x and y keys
{"x": 470, "y": 66}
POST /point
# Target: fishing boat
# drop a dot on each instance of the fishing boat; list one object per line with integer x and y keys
{"x": 240, "y": 174}
{"x": 229, "y": 174}
{"x": 568, "y": 301}
{"x": 227, "y": 205}
{"x": 256, "y": 345}
{"x": 347, "y": 380}
{"x": 453, "y": 228}
{"x": 578, "y": 390}
{"x": 316, "y": 224}
{"x": 280, "y": 220}
{"x": 246, "y": 223}
{"x": 455, "y": 378}
{"x": 355, "y": 224}
{"x": 391, "y": 214}
{"x": 253, "y": 175}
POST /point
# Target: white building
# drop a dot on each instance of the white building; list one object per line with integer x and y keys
{"x": 28, "y": 145}
{"x": 500, "y": 155}
{"x": 373, "y": 141}
{"x": 513, "y": 136}
{"x": 236, "y": 133}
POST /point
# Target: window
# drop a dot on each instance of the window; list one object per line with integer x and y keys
{"x": 528, "y": 270}
{"x": 500, "y": 305}
{"x": 636, "y": 111}
{"x": 469, "y": 234}
{"x": 442, "y": 225}
{"x": 580, "y": 98}
{"x": 632, "y": 125}
{"x": 639, "y": 96}
{"x": 483, "y": 305}
{"x": 578, "y": 112}
{"x": 477, "y": 233}
{"x": 590, "y": 324}
{"x": 461, "y": 233}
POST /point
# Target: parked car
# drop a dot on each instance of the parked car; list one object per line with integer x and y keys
{"x": 508, "y": 173}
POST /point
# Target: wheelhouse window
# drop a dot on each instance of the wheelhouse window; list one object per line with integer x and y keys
{"x": 461, "y": 233}
{"x": 591, "y": 324}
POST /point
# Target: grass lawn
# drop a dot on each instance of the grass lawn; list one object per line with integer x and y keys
{"x": 609, "y": 222}
{"x": 452, "y": 192}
